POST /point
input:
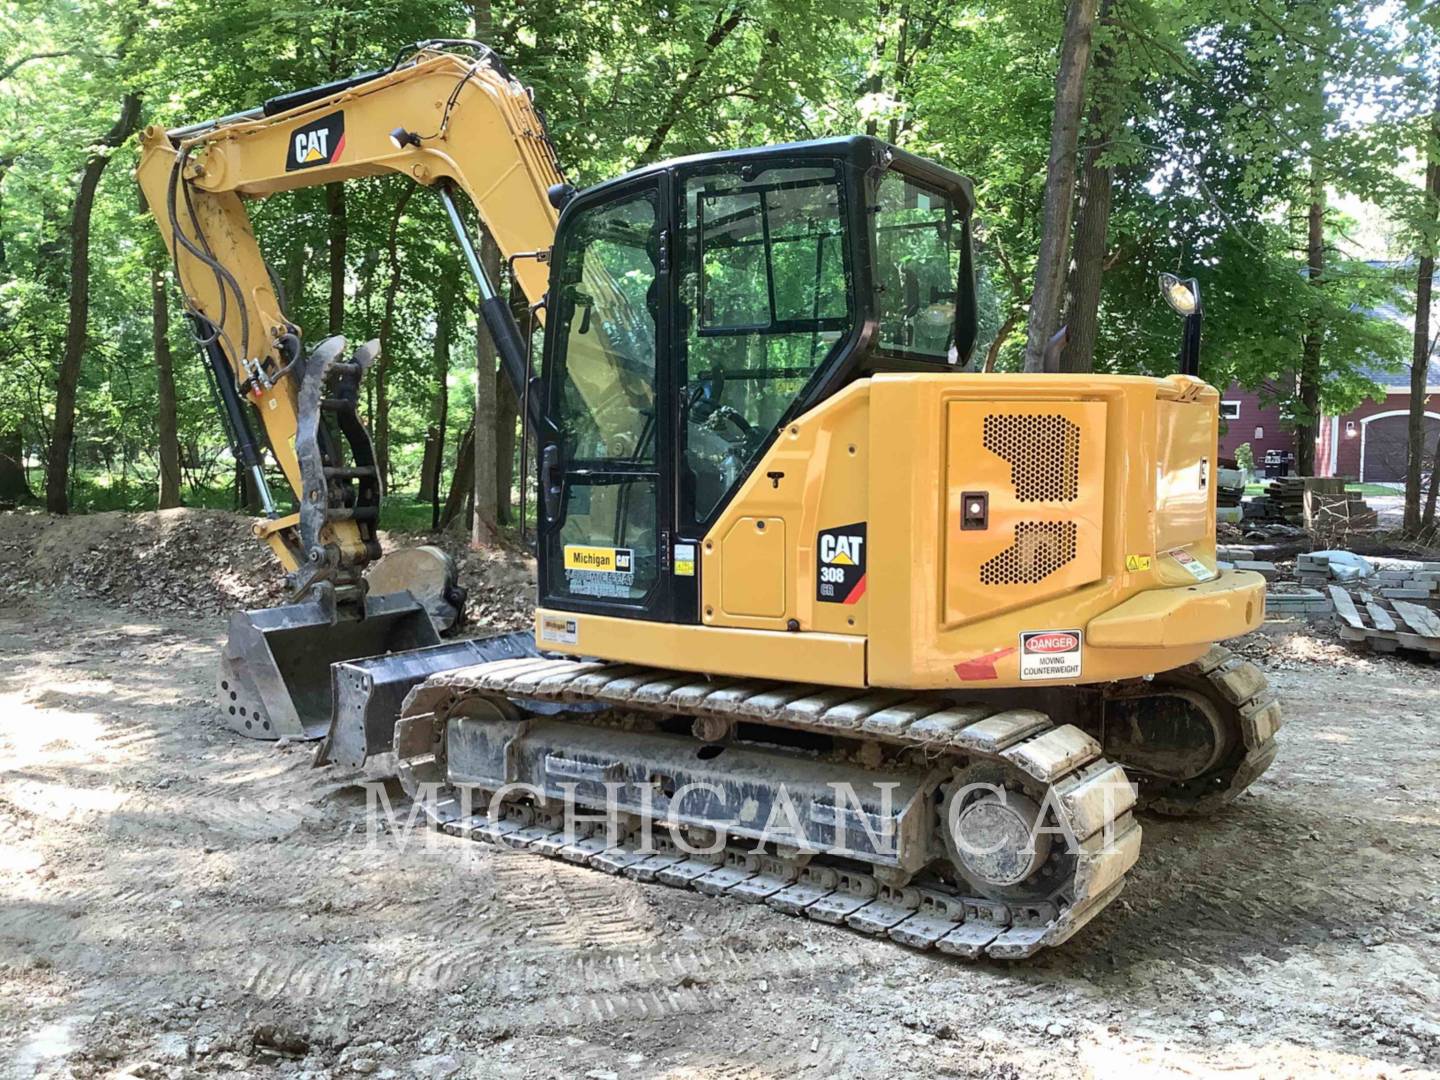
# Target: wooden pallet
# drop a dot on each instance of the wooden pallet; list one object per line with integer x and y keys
{"x": 1386, "y": 625}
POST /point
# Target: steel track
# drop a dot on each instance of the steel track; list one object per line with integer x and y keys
{"x": 1059, "y": 765}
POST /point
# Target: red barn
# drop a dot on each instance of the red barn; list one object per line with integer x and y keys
{"x": 1368, "y": 443}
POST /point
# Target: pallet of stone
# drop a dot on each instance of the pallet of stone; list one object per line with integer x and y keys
{"x": 1386, "y": 625}
{"x": 1388, "y": 564}
{"x": 1285, "y": 498}
{"x": 1314, "y": 568}
{"x": 1418, "y": 595}
{"x": 1338, "y": 512}
{"x": 1255, "y": 510}
{"x": 1398, "y": 580}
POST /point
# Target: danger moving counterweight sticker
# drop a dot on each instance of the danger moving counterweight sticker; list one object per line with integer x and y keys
{"x": 1050, "y": 654}
{"x": 840, "y": 564}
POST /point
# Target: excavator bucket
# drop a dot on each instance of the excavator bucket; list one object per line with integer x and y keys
{"x": 368, "y": 693}
{"x": 275, "y": 668}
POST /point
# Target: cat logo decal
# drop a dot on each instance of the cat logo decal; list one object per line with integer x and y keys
{"x": 320, "y": 142}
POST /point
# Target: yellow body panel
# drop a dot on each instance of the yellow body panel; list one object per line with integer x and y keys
{"x": 1121, "y": 463}
{"x": 753, "y": 561}
{"x": 824, "y": 480}
{"x": 1027, "y": 494}
{"x": 829, "y": 659}
{"x": 1168, "y": 618}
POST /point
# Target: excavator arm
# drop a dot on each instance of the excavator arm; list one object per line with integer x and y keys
{"x": 447, "y": 120}
{"x": 449, "y": 116}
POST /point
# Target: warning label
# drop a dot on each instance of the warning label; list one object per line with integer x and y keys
{"x": 1050, "y": 654}
{"x": 840, "y": 564}
{"x": 559, "y": 630}
{"x": 684, "y": 560}
{"x": 1198, "y": 570}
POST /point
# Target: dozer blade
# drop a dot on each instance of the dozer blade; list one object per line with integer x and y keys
{"x": 368, "y": 692}
{"x": 275, "y": 667}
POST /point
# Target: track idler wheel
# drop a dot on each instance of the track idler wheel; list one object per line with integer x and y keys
{"x": 1001, "y": 837}
{"x": 1196, "y": 737}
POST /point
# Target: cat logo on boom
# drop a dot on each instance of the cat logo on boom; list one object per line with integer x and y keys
{"x": 840, "y": 569}
{"x": 320, "y": 142}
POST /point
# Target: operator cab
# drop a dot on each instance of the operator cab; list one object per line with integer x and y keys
{"x": 696, "y": 307}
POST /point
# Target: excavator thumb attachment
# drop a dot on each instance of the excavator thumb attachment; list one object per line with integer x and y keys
{"x": 275, "y": 667}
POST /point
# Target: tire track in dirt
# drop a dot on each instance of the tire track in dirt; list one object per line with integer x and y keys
{"x": 517, "y": 985}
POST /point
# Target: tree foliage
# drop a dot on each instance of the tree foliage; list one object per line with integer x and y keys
{"x": 1216, "y": 122}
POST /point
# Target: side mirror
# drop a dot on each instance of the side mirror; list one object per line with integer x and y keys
{"x": 1183, "y": 296}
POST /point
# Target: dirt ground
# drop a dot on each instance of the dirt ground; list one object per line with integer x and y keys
{"x": 175, "y": 900}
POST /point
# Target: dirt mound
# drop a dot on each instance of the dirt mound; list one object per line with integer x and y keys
{"x": 209, "y": 562}
{"x": 184, "y": 560}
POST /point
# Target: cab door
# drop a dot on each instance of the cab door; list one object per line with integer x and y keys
{"x": 607, "y": 453}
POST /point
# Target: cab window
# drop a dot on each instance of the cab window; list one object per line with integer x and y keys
{"x": 765, "y": 276}
{"x": 921, "y": 240}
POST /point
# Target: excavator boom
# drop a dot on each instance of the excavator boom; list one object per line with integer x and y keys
{"x": 448, "y": 116}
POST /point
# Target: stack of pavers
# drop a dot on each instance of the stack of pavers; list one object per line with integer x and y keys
{"x": 1285, "y": 499}
{"x": 1393, "y": 608}
{"x": 1393, "y": 579}
{"x": 1318, "y": 503}
{"x": 1336, "y": 512}
{"x": 1285, "y": 599}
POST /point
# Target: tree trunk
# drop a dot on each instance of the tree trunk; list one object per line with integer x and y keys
{"x": 1087, "y": 272}
{"x": 57, "y": 472}
{"x": 1002, "y": 335}
{"x": 293, "y": 280}
{"x": 507, "y": 414}
{"x": 440, "y": 405}
{"x": 339, "y": 234}
{"x": 1420, "y": 353}
{"x": 486, "y": 525}
{"x": 1049, "y": 294}
{"x": 875, "y": 82}
{"x": 724, "y": 25}
{"x": 1428, "y": 521}
{"x": 1092, "y": 223}
{"x": 462, "y": 482}
{"x": 246, "y": 496}
{"x": 5, "y": 163}
{"x": 476, "y": 463}
{"x": 14, "y": 485}
{"x": 1308, "y": 383}
{"x": 379, "y": 379}
{"x": 165, "y": 423}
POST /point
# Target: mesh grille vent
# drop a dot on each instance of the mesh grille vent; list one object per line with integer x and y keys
{"x": 1043, "y": 453}
{"x": 1040, "y": 548}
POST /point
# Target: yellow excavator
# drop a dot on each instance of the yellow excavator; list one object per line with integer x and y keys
{"x": 799, "y": 563}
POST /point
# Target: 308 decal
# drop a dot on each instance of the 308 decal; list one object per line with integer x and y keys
{"x": 840, "y": 564}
